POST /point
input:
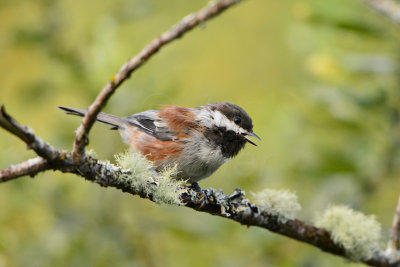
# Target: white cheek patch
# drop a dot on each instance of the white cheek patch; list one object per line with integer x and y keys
{"x": 216, "y": 118}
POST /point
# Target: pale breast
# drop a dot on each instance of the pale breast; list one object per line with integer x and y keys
{"x": 201, "y": 159}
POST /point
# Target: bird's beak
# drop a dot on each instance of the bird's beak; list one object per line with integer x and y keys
{"x": 251, "y": 134}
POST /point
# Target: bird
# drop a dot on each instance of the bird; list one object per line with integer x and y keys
{"x": 195, "y": 140}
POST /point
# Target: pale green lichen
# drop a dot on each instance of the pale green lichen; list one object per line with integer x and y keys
{"x": 163, "y": 188}
{"x": 281, "y": 203}
{"x": 91, "y": 153}
{"x": 358, "y": 233}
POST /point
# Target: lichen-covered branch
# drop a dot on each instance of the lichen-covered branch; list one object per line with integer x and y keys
{"x": 177, "y": 31}
{"x": 388, "y": 8}
{"x": 238, "y": 208}
{"x": 235, "y": 207}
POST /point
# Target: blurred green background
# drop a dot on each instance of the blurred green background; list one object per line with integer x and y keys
{"x": 319, "y": 78}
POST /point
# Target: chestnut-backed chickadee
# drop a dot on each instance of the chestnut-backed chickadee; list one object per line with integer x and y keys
{"x": 197, "y": 140}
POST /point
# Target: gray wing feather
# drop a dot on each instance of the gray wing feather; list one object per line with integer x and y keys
{"x": 146, "y": 121}
{"x": 150, "y": 123}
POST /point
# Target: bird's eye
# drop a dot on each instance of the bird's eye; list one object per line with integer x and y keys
{"x": 237, "y": 120}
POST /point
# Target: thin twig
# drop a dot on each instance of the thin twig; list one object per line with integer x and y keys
{"x": 388, "y": 8}
{"x": 177, "y": 31}
{"x": 27, "y": 135}
{"x": 395, "y": 233}
{"x": 393, "y": 248}
{"x": 30, "y": 167}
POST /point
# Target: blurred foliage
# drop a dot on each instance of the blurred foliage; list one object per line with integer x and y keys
{"x": 319, "y": 79}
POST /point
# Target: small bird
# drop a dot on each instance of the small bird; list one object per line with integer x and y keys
{"x": 197, "y": 140}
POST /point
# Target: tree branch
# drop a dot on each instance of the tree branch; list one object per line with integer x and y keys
{"x": 50, "y": 157}
{"x": 240, "y": 209}
{"x": 388, "y": 8}
{"x": 177, "y": 31}
{"x": 395, "y": 233}
{"x": 30, "y": 167}
{"x": 27, "y": 135}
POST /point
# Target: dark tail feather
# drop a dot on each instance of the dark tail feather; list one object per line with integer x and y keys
{"x": 102, "y": 117}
